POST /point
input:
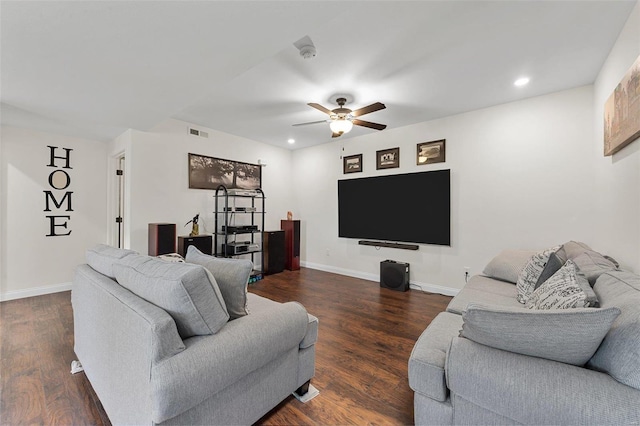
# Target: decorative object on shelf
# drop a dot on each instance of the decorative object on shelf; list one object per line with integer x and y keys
{"x": 195, "y": 229}
{"x": 289, "y": 215}
{"x": 352, "y": 164}
{"x": 388, "y": 159}
{"x": 210, "y": 172}
{"x": 622, "y": 112}
{"x": 431, "y": 152}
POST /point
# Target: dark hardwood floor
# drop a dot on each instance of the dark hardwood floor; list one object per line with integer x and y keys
{"x": 365, "y": 337}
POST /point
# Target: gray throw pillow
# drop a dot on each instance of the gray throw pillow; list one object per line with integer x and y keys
{"x": 571, "y": 336}
{"x": 553, "y": 265}
{"x": 567, "y": 288}
{"x": 232, "y": 276}
{"x": 187, "y": 292}
{"x": 592, "y": 264}
{"x": 102, "y": 257}
{"x": 573, "y": 249}
{"x": 528, "y": 278}
{"x": 508, "y": 264}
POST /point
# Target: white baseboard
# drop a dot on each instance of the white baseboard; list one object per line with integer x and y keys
{"x": 35, "y": 291}
{"x": 429, "y": 288}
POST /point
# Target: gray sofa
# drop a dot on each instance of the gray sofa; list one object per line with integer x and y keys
{"x": 489, "y": 360}
{"x": 157, "y": 360}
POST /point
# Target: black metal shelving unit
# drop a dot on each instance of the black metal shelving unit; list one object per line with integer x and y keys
{"x": 235, "y": 216}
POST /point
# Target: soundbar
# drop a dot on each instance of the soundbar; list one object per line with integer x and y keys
{"x": 389, "y": 245}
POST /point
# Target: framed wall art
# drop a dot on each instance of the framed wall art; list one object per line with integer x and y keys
{"x": 210, "y": 172}
{"x": 622, "y": 112}
{"x": 431, "y": 152}
{"x": 388, "y": 159}
{"x": 352, "y": 163}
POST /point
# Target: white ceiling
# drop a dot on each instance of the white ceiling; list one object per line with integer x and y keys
{"x": 94, "y": 69}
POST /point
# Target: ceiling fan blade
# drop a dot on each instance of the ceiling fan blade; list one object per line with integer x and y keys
{"x": 310, "y": 122}
{"x": 320, "y": 108}
{"x": 369, "y": 124}
{"x": 368, "y": 109}
{"x": 336, "y": 135}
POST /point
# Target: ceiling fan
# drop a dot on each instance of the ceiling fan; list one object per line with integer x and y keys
{"x": 342, "y": 119}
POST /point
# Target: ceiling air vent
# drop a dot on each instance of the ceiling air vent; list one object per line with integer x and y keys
{"x": 197, "y": 132}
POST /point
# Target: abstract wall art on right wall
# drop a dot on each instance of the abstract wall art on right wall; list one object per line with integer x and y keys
{"x": 622, "y": 112}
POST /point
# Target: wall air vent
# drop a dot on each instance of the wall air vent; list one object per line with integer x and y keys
{"x": 197, "y": 132}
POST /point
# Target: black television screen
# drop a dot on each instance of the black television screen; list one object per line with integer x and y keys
{"x": 411, "y": 207}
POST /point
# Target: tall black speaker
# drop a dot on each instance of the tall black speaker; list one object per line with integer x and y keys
{"x": 273, "y": 246}
{"x": 162, "y": 238}
{"x": 394, "y": 275}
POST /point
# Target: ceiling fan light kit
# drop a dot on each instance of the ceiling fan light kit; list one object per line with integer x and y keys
{"x": 341, "y": 119}
{"x": 341, "y": 125}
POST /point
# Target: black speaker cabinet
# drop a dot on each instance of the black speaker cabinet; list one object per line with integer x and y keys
{"x": 273, "y": 246}
{"x": 204, "y": 243}
{"x": 162, "y": 238}
{"x": 394, "y": 275}
{"x": 291, "y": 230}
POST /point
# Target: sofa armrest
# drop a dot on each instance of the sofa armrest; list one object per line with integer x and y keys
{"x": 211, "y": 363}
{"x": 533, "y": 390}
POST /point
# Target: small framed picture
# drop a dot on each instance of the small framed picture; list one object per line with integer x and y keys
{"x": 352, "y": 163}
{"x": 388, "y": 159}
{"x": 431, "y": 152}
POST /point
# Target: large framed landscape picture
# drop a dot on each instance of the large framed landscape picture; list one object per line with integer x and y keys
{"x": 622, "y": 112}
{"x": 210, "y": 172}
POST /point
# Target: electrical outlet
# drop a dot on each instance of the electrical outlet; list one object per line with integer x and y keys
{"x": 327, "y": 253}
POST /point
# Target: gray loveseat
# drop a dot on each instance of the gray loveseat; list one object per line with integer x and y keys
{"x": 186, "y": 362}
{"x": 489, "y": 360}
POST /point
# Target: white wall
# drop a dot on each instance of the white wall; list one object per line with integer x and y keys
{"x": 617, "y": 222}
{"x": 522, "y": 177}
{"x": 159, "y": 186}
{"x": 32, "y": 263}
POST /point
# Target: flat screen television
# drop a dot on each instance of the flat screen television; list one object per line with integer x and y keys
{"x": 410, "y": 207}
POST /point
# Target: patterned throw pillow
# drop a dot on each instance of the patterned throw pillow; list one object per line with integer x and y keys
{"x": 567, "y": 288}
{"x": 531, "y": 272}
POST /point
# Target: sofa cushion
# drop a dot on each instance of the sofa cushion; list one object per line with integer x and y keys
{"x": 232, "y": 276}
{"x": 187, "y": 292}
{"x": 592, "y": 264}
{"x": 619, "y": 354}
{"x": 572, "y": 249}
{"x": 553, "y": 265}
{"x": 571, "y": 336}
{"x": 102, "y": 257}
{"x": 426, "y": 363}
{"x": 567, "y": 288}
{"x": 481, "y": 289}
{"x": 528, "y": 278}
{"x": 508, "y": 264}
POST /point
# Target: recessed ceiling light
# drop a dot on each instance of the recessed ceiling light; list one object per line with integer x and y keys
{"x": 292, "y": 141}
{"x": 522, "y": 81}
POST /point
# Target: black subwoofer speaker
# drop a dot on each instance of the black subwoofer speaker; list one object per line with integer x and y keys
{"x": 394, "y": 275}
